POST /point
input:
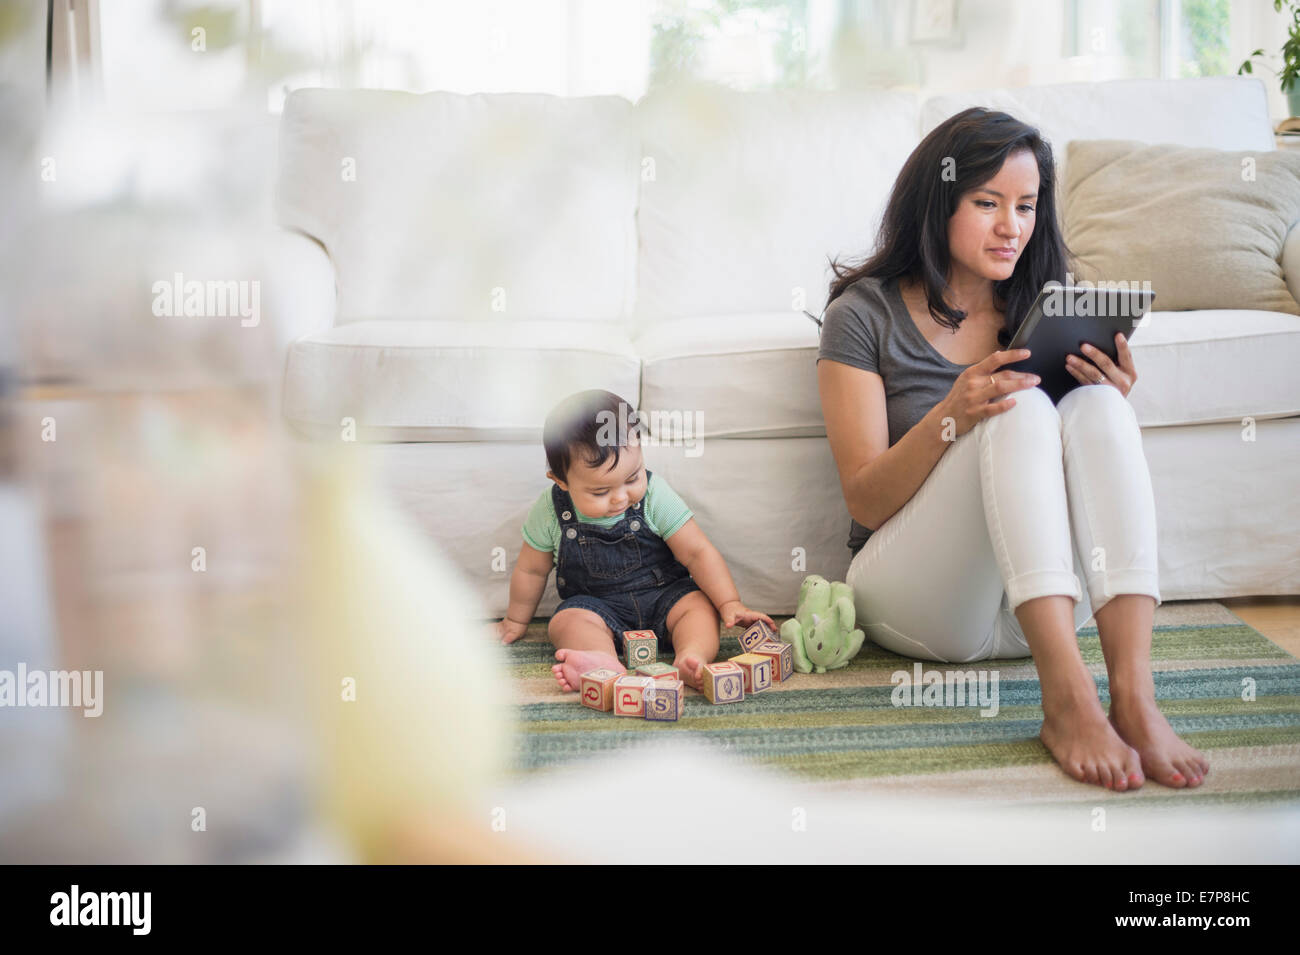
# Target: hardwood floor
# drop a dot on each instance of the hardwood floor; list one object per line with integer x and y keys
{"x": 1277, "y": 618}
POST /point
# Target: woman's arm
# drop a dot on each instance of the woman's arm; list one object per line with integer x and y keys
{"x": 876, "y": 479}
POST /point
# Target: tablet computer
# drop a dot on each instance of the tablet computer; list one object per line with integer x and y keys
{"x": 1063, "y": 317}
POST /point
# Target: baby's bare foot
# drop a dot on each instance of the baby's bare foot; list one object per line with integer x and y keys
{"x": 574, "y": 663}
{"x": 690, "y": 666}
{"x": 1165, "y": 757}
{"x": 1086, "y": 746}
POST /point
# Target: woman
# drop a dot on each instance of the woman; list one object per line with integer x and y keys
{"x": 977, "y": 504}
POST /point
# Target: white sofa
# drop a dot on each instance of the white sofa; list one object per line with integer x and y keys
{"x": 493, "y": 253}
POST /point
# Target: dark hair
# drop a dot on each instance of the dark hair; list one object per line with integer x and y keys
{"x": 960, "y": 154}
{"x": 593, "y": 423}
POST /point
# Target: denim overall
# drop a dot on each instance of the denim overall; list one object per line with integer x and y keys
{"x": 626, "y": 573}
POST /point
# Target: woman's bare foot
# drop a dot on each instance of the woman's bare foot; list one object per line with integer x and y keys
{"x": 1165, "y": 757}
{"x": 1086, "y": 746}
{"x": 690, "y": 666}
{"x": 574, "y": 663}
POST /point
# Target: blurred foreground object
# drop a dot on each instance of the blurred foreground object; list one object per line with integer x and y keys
{"x": 409, "y": 693}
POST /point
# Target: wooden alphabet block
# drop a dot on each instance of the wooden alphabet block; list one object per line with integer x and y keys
{"x": 782, "y": 656}
{"x": 723, "y": 682}
{"x": 760, "y": 632}
{"x": 597, "y": 689}
{"x": 757, "y": 670}
{"x": 639, "y": 648}
{"x": 629, "y": 695}
{"x": 659, "y": 671}
{"x": 665, "y": 700}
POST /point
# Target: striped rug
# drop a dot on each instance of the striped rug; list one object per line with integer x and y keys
{"x": 840, "y": 731}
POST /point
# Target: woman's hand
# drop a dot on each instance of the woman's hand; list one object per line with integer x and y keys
{"x": 1101, "y": 370}
{"x": 978, "y": 391}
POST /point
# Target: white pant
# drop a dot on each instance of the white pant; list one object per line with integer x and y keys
{"x": 1022, "y": 505}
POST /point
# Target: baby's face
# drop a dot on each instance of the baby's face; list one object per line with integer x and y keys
{"x": 606, "y": 491}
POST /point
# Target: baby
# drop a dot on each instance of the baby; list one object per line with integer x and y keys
{"x": 629, "y": 553}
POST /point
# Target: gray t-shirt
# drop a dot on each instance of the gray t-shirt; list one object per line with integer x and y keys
{"x": 868, "y": 326}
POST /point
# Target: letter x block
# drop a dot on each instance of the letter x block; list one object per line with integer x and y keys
{"x": 760, "y": 632}
{"x": 665, "y": 700}
{"x": 597, "y": 689}
{"x": 757, "y": 670}
{"x": 782, "y": 657}
{"x": 723, "y": 682}
{"x": 639, "y": 648}
{"x": 629, "y": 695}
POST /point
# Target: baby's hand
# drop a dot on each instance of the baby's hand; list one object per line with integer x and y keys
{"x": 736, "y": 614}
{"x": 509, "y": 631}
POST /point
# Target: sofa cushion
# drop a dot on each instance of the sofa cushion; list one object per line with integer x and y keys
{"x": 733, "y": 375}
{"x": 451, "y": 381}
{"x": 443, "y": 206}
{"x": 1223, "y": 218}
{"x": 745, "y": 196}
{"x": 1215, "y": 365}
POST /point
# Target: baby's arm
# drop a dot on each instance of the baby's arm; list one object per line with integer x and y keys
{"x": 526, "y": 586}
{"x": 694, "y": 550}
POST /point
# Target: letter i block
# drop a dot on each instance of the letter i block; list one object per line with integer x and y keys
{"x": 659, "y": 671}
{"x": 723, "y": 682}
{"x": 639, "y": 648}
{"x": 598, "y": 689}
{"x": 665, "y": 700}
{"x": 629, "y": 695}
{"x": 757, "y": 670}
{"x": 782, "y": 657}
{"x": 760, "y": 632}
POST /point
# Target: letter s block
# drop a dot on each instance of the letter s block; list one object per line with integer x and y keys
{"x": 665, "y": 700}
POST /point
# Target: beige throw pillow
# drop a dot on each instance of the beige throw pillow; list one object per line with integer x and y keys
{"x": 1205, "y": 227}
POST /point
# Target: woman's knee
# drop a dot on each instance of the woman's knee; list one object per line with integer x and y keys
{"x": 1033, "y": 410}
{"x": 1096, "y": 412}
{"x": 1092, "y": 401}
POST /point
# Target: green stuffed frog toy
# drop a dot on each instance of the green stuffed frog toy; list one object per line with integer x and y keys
{"x": 821, "y": 631}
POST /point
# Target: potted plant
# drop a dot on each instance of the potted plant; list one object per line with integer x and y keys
{"x": 1290, "y": 57}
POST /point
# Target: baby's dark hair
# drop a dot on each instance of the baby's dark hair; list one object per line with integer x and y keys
{"x": 594, "y": 424}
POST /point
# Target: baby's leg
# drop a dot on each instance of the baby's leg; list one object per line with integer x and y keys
{"x": 583, "y": 642}
{"x": 693, "y": 625}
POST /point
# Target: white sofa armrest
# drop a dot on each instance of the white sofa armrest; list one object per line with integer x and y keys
{"x": 298, "y": 286}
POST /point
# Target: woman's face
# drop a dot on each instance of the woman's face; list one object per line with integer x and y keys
{"x": 992, "y": 225}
